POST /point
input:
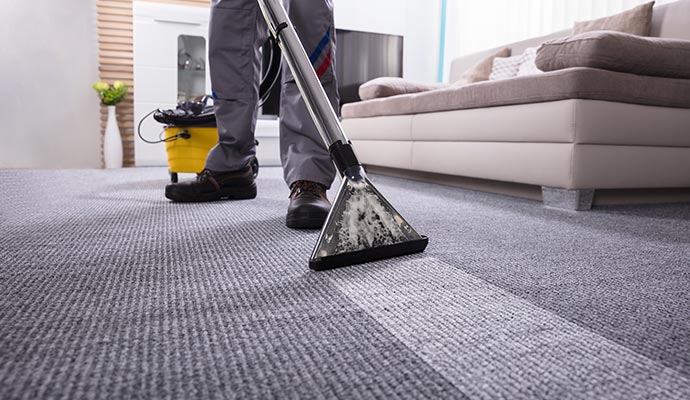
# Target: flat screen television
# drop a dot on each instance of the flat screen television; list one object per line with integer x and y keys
{"x": 360, "y": 57}
{"x": 363, "y": 56}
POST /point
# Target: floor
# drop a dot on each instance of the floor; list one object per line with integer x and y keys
{"x": 107, "y": 290}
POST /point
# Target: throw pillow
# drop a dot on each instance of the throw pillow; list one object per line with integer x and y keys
{"x": 621, "y": 52}
{"x": 505, "y": 67}
{"x": 529, "y": 66}
{"x": 481, "y": 70}
{"x": 636, "y": 21}
{"x": 389, "y": 86}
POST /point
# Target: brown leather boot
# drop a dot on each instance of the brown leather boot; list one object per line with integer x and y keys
{"x": 210, "y": 186}
{"x": 308, "y": 207}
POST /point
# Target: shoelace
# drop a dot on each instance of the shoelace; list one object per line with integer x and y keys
{"x": 207, "y": 176}
{"x": 307, "y": 187}
{"x": 204, "y": 175}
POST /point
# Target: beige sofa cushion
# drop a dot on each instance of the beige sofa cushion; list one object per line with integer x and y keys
{"x": 481, "y": 71}
{"x": 388, "y": 86}
{"x": 571, "y": 83}
{"x": 564, "y": 121}
{"x": 562, "y": 165}
{"x": 636, "y": 21}
{"x": 618, "y": 52}
{"x": 568, "y": 166}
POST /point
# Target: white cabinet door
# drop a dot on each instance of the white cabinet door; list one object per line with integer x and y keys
{"x": 157, "y": 28}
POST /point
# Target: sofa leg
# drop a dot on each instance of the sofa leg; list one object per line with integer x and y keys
{"x": 564, "y": 199}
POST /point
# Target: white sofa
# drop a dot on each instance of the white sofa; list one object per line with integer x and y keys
{"x": 567, "y": 144}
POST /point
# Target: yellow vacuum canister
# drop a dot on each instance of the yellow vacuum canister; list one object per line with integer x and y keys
{"x": 187, "y": 148}
{"x": 189, "y": 132}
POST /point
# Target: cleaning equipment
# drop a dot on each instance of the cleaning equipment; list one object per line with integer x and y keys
{"x": 190, "y": 130}
{"x": 188, "y": 154}
{"x": 189, "y": 133}
{"x": 361, "y": 226}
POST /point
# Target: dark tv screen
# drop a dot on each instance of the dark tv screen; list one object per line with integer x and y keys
{"x": 362, "y": 56}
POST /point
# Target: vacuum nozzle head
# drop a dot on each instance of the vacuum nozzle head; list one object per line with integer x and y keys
{"x": 362, "y": 226}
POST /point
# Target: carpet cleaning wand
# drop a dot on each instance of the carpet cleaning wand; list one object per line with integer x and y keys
{"x": 361, "y": 226}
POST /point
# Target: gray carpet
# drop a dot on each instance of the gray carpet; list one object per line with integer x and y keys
{"x": 107, "y": 290}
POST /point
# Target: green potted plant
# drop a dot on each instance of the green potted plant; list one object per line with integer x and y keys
{"x": 112, "y": 140}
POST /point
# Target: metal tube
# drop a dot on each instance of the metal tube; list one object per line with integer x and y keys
{"x": 320, "y": 108}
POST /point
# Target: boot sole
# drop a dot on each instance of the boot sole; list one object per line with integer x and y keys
{"x": 305, "y": 221}
{"x": 238, "y": 193}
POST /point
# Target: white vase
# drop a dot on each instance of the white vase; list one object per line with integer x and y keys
{"x": 112, "y": 141}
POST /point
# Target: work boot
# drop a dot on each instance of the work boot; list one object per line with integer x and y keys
{"x": 308, "y": 207}
{"x": 210, "y": 186}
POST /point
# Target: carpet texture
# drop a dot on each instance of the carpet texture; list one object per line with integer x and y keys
{"x": 107, "y": 290}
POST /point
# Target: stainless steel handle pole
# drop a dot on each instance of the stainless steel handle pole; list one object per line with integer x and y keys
{"x": 325, "y": 118}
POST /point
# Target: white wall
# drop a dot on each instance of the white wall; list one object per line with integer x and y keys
{"x": 419, "y": 21}
{"x": 49, "y": 115}
{"x": 474, "y": 26}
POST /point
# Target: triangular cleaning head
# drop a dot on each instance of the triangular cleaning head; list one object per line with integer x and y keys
{"x": 361, "y": 227}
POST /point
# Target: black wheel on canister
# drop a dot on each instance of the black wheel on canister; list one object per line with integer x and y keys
{"x": 254, "y": 163}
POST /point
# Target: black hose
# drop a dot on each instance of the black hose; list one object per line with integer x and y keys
{"x": 161, "y": 139}
{"x": 272, "y": 76}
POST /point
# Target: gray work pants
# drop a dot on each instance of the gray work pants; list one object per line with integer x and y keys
{"x": 237, "y": 30}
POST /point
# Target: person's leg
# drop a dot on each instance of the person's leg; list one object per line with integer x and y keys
{"x": 237, "y": 30}
{"x": 307, "y": 166}
{"x": 303, "y": 154}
